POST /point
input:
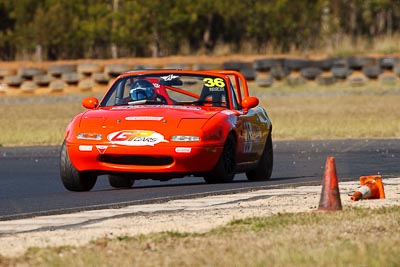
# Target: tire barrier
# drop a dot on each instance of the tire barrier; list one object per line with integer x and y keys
{"x": 296, "y": 64}
{"x": 295, "y": 80}
{"x": 71, "y": 78}
{"x": 87, "y": 69}
{"x": 13, "y": 81}
{"x": 264, "y": 72}
{"x": 323, "y": 64}
{"x": 58, "y": 70}
{"x": 29, "y": 86}
{"x": 310, "y": 73}
{"x": 388, "y": 79}
{"x": 264, "y": 81}
{"x": 279, "y": 72}
{"x": 204, "y": 66}
{"x": 372, "y": 71}
{"x": 29, "y": 73}
{"x": 113, "y": 70}
{"x": 7, "y": 72}
{"x": 86, "y": 84}
{"x": 264, "y": 64}
{"x": 57, "y": 86}
{"x": 341, "y": 73}
{"x": 145, "y": 67}
{"x": 43, "y": 80}
{"x": 101, "y": 78}
{"x": 357, "y": 79}
{"x": 357, "y": 63}
{"x": 326, "y": 80}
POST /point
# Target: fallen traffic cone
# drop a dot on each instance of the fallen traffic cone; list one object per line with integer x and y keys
{"x": 371, "y": 188}
{"x": 330, "y": 196}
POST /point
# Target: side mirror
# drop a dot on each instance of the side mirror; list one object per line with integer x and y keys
{"x": 249, "y": 102}
{"x": 90, "y": 102}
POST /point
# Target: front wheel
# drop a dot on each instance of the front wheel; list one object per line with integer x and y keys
{"x": 263, "y": 171}
{"x": 225, "y": 170}
{"x": 72, "y": 179}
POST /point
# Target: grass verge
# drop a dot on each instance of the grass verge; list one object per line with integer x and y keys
{"x": 352, "y": 237}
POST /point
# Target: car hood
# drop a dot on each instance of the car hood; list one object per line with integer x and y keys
{"x": 148, "y": 117}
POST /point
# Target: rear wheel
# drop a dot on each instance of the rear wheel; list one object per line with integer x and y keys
{"x": 263, "y": 171}
{"x": 120, "y": 181}
{"x": 72, "y": 179}
{"x": 225, "y": 169}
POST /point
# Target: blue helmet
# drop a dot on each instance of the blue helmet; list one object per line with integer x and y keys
{"x": 142, "y": 89}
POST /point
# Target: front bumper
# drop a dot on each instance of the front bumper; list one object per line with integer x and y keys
{"x": 130, "y": 159}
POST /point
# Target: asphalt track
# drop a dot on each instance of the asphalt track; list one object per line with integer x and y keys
{"x": 30, "y": 183}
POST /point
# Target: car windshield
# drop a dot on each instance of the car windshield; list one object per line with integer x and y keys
{"x": 168, "y": 89}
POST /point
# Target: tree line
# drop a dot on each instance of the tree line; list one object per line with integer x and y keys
{"x": 72, "y": 29}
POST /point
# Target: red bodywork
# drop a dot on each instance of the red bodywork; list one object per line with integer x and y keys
{"x": 138, "y": 139}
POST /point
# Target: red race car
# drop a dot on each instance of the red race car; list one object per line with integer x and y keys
{"x": 164, "y": 124}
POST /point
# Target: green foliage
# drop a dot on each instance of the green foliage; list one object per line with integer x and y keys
{"x": 68, "y": 29}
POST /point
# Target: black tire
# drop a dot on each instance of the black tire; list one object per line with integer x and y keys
{"x": 29, "y": 73}
{"x": 357, "y": 80}
{"x": 340, "y": 62}
{"x": 279, "y": 72}
{"x": 264, "y": 64}
{"x": 357, "y": 63}
{"x": 233, "y": 65}
{"x": 58, "y": 70}
{"x": 100, "y": 78}
{"x": 88, "y": 69}
{"x": 71, "y": 78}
{"x": 43, "y": 80}
{"x": 295, "y": 80}
{"x": 389, "y": 79}
{"x": 28, "y": 86}
{"x": 7, "y": 72}
{"x": 323, "y": 64}
{"x": 372, "y": 71}
{"x": 340, "y": 72}
{"x": 113, "y": 70}
{"x": 13, "y": 81}
{"x": 296, "y": 64}
{"x": 72, "y": 179}
{"x": 264, "y": 81}
{"x": 248, "y": 73}
{"x": 263, "y": 171}
{"x": 326, "y": 80}
{"x": 311, "y": 73}
{"x": 225, "y": 170}
{"x": 57, "y": 86}
{"x": 86, "y": 84}
{"x": 120, "y": 181}
{"x": 387, "y": 63}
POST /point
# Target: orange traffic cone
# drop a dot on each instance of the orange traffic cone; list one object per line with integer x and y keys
{"x": 371, "y": 188}
{"x": 330, "y": 196}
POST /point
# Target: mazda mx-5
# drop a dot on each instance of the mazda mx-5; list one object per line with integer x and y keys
{"x": 165, "y": 124}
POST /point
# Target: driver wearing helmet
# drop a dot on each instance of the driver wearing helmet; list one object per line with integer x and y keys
{"x": 142, "y": 90}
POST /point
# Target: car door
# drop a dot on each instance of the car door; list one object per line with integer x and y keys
{"x": 251, "y": 136}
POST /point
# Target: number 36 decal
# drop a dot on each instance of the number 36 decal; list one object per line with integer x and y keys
{"x": 210, "y": 82}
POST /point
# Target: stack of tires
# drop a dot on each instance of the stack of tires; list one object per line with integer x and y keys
{"x": 264, "y": 72}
